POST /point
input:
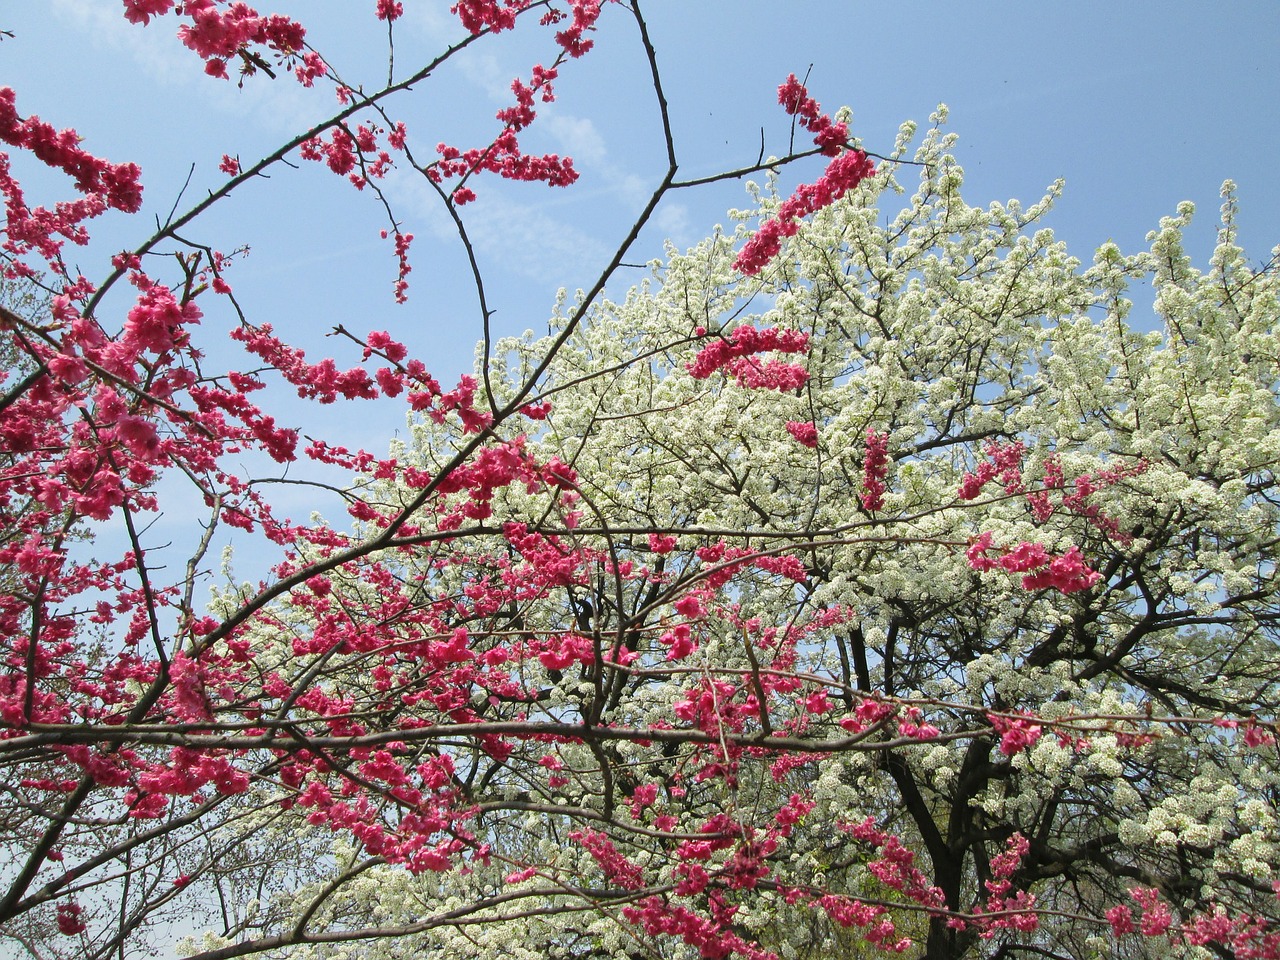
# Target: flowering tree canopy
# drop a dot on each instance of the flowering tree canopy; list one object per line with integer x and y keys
{"x": 869, "y": 577}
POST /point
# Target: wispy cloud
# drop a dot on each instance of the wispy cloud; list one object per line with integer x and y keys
{"x": 531, "y": 243}
{"x": 672, "y": 219}
{"x": 151, "y": 47}
{"x": 433, "y": 22}
{"x": 543, "y": 237}
{"x": 280, "y": 106}
{"x": 578, "y": 136}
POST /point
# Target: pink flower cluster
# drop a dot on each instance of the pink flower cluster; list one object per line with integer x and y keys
{"x": 1016, "y": 911}
{"x": 104, "y": 186}
{"x": 661, "y": 543}
{"x": 875, "y": 467}
{"x": 356, "y": 156}
{"x": 711, "y": 707}
{"x": 117, "y": 184}
{"x": 1245, "y": 937}
{"x": 803, "y": 432}
{"x": 321, "y": 381}
{"x": 1016, "y": 733}
{"x": 401, "y": 286}
{"x": 1066, "y": 572}
{"x": 572, "y": 39}
{"x": 827, "y": 134}
{"x": 710, "y": 936}
{"x": 877, "y": 927}
{"x": 895, "y": 866}
{"x": 218, "y": 35}
{"x": 480, "y": 15}
{"x": 617, "y": 868}
{"x": 505, "y": 158}
{"x": 735, "y": 354}
{"x": 522, "y": 114}
{"x": 1088, "y": 484}
{"x": 847, "y": 169}
{"x": 1156, "y": 915}
{"x": 141, "y": 11}
{"x": 1253, "y": 735}
{"x": 499, "y": 15}
{"x": 870, "y": 712}
{"x": 912, "y": 725}
{"x": 842, "y": 174}
{"x": 1004, "y": 462}
{"x": 68, "y": 919}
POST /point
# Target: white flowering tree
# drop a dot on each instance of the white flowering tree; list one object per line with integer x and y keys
{"x": 907, "y": 594}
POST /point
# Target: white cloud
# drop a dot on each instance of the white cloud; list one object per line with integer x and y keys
{"x": 484, "y": 71}
{"x": 578, "y": 136}
{"x": 404, "y": 185}
{"x": 152, "y": 47}
{"x": 433, "y": 22}
{"x": 672, "y": 219}
{"x": 280, "y": 105}
{"x": 531, "y": 243}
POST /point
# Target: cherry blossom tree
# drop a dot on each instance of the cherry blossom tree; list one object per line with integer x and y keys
{"x": 866, "y": 577}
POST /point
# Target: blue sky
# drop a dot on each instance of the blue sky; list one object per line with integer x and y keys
{"x": 1137, "y": 105}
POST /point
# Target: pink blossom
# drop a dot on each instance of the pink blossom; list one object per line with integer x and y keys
{"x": 712, "y": 939}
{"x": 114, "y": 185}
{"x": 1254, "y": 736}
{"x": 690, "y": 606}
{"x": 795, "y": 99}
{"x": 495, "y": 15}
{"x": 679, "y": 642}
{"x": 660, "y": 543}
{"x": 187, "y": 686}
{"x": 616, "y": 867}
{"x": 784, "y": 565}
{"x": 803, "y": 432}
{"x": 1025, "y": 556}
{"x": 520, "y": 876}
{"x": 311, "y": 69}
{"x": 817, "y": 703}
{"x": 843, "y": 173}
{"x": 68, "y": 918}
{"x": 572, "y": 39}
{"x": 139, "y": 436}
{"x": 875, "y": 467}
{"x": 1156, "y": 915}
{"x": 156, "y": 322}
{"x": 141, "y": 11}
{"x": 1004, "y": 865}
{"x": 1066, "y": 573}
{"x": 1121, "y": 919}
{"x": 1016, "y": 733}
{"x": 735, "y": 353}
{"x": 645, "y": 795}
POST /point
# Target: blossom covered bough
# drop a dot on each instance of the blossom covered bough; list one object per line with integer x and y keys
{"x": 888, "y": 614}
